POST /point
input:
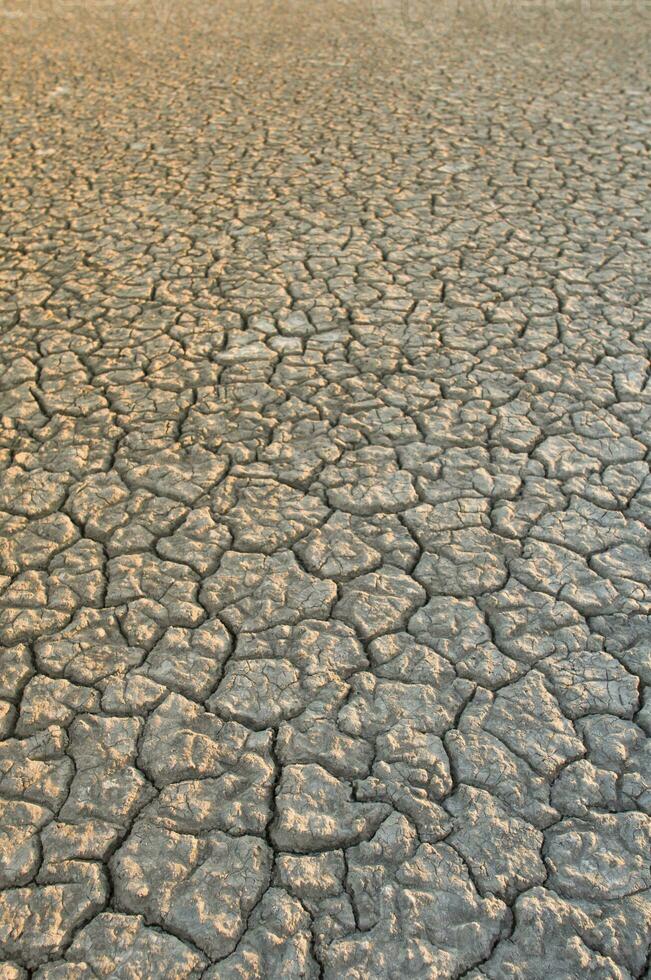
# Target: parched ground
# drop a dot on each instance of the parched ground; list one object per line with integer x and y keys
{"x": 325, "y": 505}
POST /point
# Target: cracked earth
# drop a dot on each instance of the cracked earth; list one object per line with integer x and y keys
{"x": 325, "y": 507}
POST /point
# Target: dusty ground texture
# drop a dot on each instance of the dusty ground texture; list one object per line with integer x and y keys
{"x": 325, "y": 503}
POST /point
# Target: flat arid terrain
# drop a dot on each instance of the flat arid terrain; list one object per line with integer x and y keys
{"x": 325, "y": 501}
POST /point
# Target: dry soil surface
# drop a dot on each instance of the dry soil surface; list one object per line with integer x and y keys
{"x": 325, "y": 504}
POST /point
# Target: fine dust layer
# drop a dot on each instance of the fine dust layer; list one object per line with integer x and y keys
{"x": 325, "y": 506}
